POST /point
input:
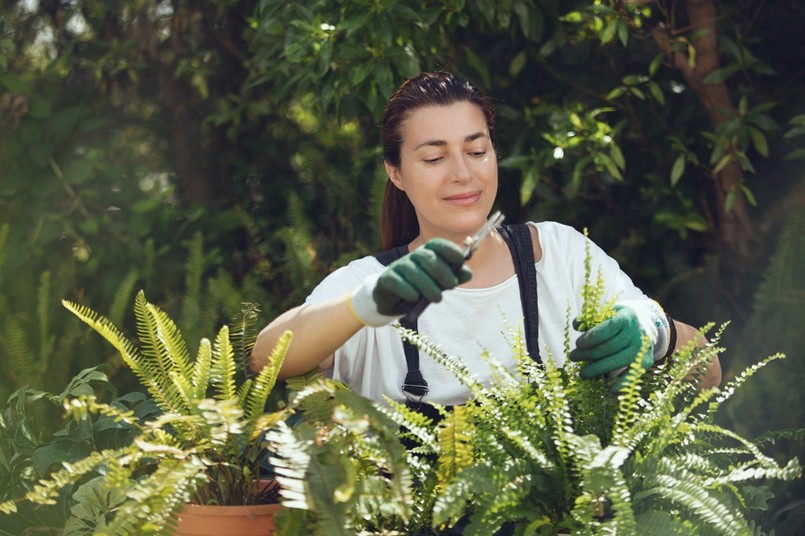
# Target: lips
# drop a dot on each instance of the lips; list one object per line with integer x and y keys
{"x": 464, "y": 199}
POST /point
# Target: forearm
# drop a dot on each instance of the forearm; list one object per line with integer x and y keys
{"x": 711, "y": 376}
{"x": 318, "y": 330}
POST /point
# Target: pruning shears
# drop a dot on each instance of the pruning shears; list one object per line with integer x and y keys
{"x": 471, "y": 243}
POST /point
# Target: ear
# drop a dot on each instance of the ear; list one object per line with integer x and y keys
{"x": 394, "y": 175}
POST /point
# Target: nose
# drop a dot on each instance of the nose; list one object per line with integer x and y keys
{"x": 461, "y": 169}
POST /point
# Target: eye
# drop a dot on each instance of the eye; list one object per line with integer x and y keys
{"x": 432, "y": 160}
{"x": 478, "y": 154}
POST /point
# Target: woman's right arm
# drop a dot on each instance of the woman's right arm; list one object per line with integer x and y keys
{"x": 319, "y": 329}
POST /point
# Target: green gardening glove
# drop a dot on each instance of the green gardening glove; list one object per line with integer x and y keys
{"x": 612, "y": 346}
{"x": 424, "y": 273}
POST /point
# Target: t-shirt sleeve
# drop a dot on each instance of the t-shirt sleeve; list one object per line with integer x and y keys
{"x": 344, "y": 279}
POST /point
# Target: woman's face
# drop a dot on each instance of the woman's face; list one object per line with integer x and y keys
{"x": 448, "y": 169}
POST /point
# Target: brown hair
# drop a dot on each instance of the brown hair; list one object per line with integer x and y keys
{"x": 399, "y": 225}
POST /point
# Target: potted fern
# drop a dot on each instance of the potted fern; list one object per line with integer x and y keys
{"x": 539, "y": 451}
{"x": 205, "y": 448}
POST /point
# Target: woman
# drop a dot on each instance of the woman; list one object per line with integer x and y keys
{"x": 439, "y": 154}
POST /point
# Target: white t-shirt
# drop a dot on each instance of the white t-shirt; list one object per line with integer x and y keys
{"x": 470, "y": 322}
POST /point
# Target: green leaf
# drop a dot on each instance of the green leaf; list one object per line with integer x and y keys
{"x": 479, "y": 65}
{"x": 794, "y": 132}
{"x": 637, "y": 92}
{"x": 13, "y": 83}
{"x": 615, "y": 93}
{"x": 617, "y": 156}
{"x": 517, "y": 64}
{"x": 725, "y": 160}
{"x": 795, "y": 154}
{"x": 609, "y": 31}
{"x": 656, "y": 92}
{"x": 39, "y": 107}
{"x": 527, "y": 188}
{"x": 678, "y": 169}
{"x": 355, "y": 24}
{"x": 730, "y": 200}
{"x": 720, "y": 75}
{"x": 749, "y": 195}
{"x": 759, "y": 141}
{"x": 405, "y": 12}
{"x": 623, "y": 33}
{"x": 57, "y": 452}
{"x": 655, "y": 64}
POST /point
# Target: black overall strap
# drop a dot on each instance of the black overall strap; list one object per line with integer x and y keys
{"x": 414, "y": 387}
{"x": 518, "y": 238}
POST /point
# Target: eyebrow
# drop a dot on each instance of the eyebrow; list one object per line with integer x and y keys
{"x": 440, "y": 143}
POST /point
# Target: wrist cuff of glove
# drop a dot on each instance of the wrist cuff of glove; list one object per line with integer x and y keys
{"x": 654, "y": 323}
{"x": 362, "y": 304}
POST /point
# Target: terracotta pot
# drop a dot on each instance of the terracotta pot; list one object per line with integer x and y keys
{"x": 254, "y": 520}
{"x": 214, "y": 520}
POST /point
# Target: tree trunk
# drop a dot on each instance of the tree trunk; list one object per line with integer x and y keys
{"x": 185, "y": 131}
{"x": 740, "y": 255}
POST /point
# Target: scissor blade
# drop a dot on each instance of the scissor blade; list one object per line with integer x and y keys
{"x": 471, "y": 243}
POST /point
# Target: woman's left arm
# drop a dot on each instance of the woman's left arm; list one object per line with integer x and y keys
{"x": 711, "y": 377}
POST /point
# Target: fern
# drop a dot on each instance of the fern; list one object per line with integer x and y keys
{"x": 201, "y": 449}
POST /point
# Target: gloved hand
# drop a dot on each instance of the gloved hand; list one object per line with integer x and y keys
{"x": 425, "y": 273}
{"x": 612, "y": 345}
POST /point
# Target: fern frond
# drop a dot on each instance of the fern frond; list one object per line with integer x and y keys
{"x": 46, "y": 491}
{"x": 414, "y": 424}
{"x": 122, "y": 297}
{"x": 222, "y": 370}
{"x": 558, "y": 408}
{"x": 255, "y": 401}
{"x": 157, "y": 498}
{"x": 171, "y": 342}
{"x": 757, "y": 456}
{"x": 153, "y": 362}
{"x": 674, "y": 483}
{"x": 200, "y": 378}
{"x": 315, "y": 401}
{"x": 124, "y": 346}
{"x": 19, "y": 354}
{"x": 243, "y": 333}
{"x": 728, "y": 390}
{"x": 660, "y": 522}
{"x": 452, "y": 363}
{"x": 183, "y": 388}
{"x": 455, "y": 443}
{"x": 630, "y": 403}
{"x": 593, "y": 309}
